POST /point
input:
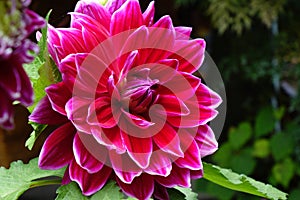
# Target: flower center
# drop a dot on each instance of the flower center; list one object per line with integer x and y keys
{"x": 138, "y": 91}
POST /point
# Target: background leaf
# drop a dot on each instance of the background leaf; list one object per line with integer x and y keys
{"x": 239, "y": 136}
{"x": 20, "y": 177}
{"x": 265, "y": 122}
{"x": 71, "y": 191}
{"x": 242, "y": 183}
{"x": 37, "y": 130}
{"x": 189, "y": 194}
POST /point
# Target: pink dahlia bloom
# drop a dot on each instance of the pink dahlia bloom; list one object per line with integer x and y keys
{"x": 128, "y": 107}
{"x": 16, "y": 24}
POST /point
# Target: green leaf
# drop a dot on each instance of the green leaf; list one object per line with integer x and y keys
{"x": 37, "y": 130}
{"x": 69, "y": 192}
{"x": 243, "y": 162}
{"x": 20, "y": 177}
{"x": 261, "y": 148}
{"x": 189, "y": 194}
{"x": 282, "y": 145}
{"x": 284, "y": 171}
{"x": 223, "y": 155}
{"x": 110, "y": 191}
{"x": 265, "y": 122}
{"x": 239, "y": 136}
{"x": 42, "y": 71}
{"x": 242, "y": 183}
{"x": 72, "y": 191}
{"x": 295, "y": 194}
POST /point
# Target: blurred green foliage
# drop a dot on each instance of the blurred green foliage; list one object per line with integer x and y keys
{"x": 256, "y": 45}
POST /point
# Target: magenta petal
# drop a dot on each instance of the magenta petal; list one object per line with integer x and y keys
{"x": 71, "y": 41}
{"x": 100, "y": 113}
{"x": 139, "y": 149}
{"x": 135, "y": 122}
{"x": 160, "y": 164}
{"x": 113, "y": 5}
{"x": 178, "y": 177}
{"x": 6, "y": 112}
{"x": 76, "y": 109}
{"x": 44, "y": 114}
{"x": 54, "y": 42}
{"x": 142, "y": 187}
{"x": 26, "y": 92}
{"x": 148, "y": 15}
{"x": 129, "y": 16}
{"x": 94, "y": 10}
{"x": 168, "y": 141}
{"x": 183, "y": 33}
{"x": 207, "y": 97}
{"x": 190, "y": 54}
{"x": 58, "y": 95}
{"x": 10, "y": 80}
{"x": 57, "y": 149}
{"x": 199, "y": 115}
{"x": 112, "y": 138}
{"x": 173, "y": 106}
{"x": 84, "y": 158}
{"x": 125, "y": 169}
{"x": 165, "y": 22}
{"x": 67, "y": 67}
{"x": 192, "y": 157}
{"x": 66, "y": 178}
{"x": 206, "y": 140}
{"x": 196, "y": 174}
{"x": 89, "y": 183}
{"x": 164, "y": 70}
{"x": 160, "y": 192}
{"x": 183, "y": 85}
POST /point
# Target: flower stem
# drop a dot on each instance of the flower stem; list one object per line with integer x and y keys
{"x": 39, "y": 183}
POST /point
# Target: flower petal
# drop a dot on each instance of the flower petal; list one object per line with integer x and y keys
{"x": 163, "y": 70}
{"x": 192, "y": 157}
{"x": 111, "y": 137}
{"x": 207, "y": 97}
{"x": 183, "y": 85}
{"x": 196, "y": 174}
{"x": 10, "y": 80}
{"x": 44, "y": 114}
{"x": 160, "y": 164}
{"x": 206, "y": 140}
{"x": 168, "y": 141}
{"x": 58, "y": 95}
{"x": 141, "y": 187}
{"x": 199, "y": 115}
{"x": 77, "y": 109}
{"x": 173, "y": 106}
{"x": 160, "y": 192}
{"x": 89, "y": 183}
{"x": 6, "y": 111}
{"x": 95, "y": 10}
{"x": 129, "y": 16}
{"x": 190, "y": 54}
{"x": 114, "y": 5}
{"x": 148, "y": 15}
{"x": 178, "y": 177}
{"x": 57, "y": 149}
{"x": 124, "y": 167}
{"x": 83, "y": 157}
{"x": 101, "y": 113}
{"x": 183, "y": 33}
{"x": 139, "y": 149}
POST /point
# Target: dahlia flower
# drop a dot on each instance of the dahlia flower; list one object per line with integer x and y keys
{"x": 16, "y": 24}
{"x": 128, "y": 107}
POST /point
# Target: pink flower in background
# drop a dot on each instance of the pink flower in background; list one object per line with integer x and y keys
{"x": 128, "y": 106}
{"x": 16, "y": 24}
